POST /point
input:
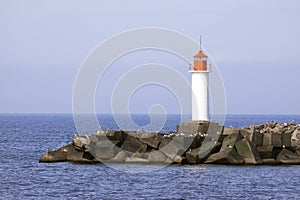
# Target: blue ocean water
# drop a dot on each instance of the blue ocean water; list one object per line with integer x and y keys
{"x": 25, "y": 137}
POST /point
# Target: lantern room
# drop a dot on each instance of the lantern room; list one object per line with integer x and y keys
{"x": 200, "y": 61}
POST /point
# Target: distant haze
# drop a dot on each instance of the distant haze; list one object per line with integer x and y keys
{"x": 254, "y": 43}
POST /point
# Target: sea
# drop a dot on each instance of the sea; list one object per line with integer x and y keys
{"x": 25, "y": 137}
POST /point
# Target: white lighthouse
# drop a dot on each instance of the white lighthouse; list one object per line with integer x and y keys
{"x": 200, "y": 80}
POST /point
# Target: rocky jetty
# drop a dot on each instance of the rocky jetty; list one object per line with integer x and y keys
{"x": 194, "y": 142}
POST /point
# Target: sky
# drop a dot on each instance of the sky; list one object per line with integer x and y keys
{"x": 254, "y": 43}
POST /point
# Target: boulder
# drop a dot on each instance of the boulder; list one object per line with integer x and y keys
{"x": 200, "y": 154}
{"x": 156, "y": 156}
{"x": 133, "y": 145}
{"x": 230, "y": 140}
{"x": 58, "y": 155}
{"x": 226, "y": 157}
{"x": 178, "y": 159}
{"x": 121, "y": 156}
{"x": 265, "y": 152}
{"x": 207, "y": 148}
{"x": 297, "y": 150}
{"x": 118, "y": 137}
{"x": 74, "y": 155}
{"x": 104, "y": 149}
{"x": 269, "y": 161}
{"x": 153, "y": 141}
{"x": 287, "y": 157}
{"x": 193, "y": 156}
{"x": 185, "y": 142}
{"x": 276, "y": 139}
{"x": 267, "y": 139}
{"x": 80, "y": 142}
{"x": 215, "y": 129}
{"x": 276, "y": 151}
{"x": 136, "y": 160}
{"x": 215, "y": 132}
{"x": 140, "y": 155}
{"x": 230, "y": 131}
{"x": 296, "y": 138}
{"x": 165, "y": 141}
{"x": 287, "y": 139}
{"x": 257, "y": 138}
{"x": 247, "y": 133}
{"x": 172, "y": 150}
{"x": 197, "y": 141}
{"x": 247, "y": 150}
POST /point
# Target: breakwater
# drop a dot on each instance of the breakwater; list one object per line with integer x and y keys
{"x": 193, "y": 142}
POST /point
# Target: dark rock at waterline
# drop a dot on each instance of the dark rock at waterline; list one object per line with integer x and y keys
{"x": 288, "y": 157}
{"x": 75, "y": 155}
{"x": 157, "y": 156}
{"x": 58, "y": 155}
{"x": 226, "y": 157}
{"x": 194, "y": 142}
{"x": 200, "y": 154}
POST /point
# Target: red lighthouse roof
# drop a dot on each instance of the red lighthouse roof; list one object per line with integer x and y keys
{"x": 200, "y": 54}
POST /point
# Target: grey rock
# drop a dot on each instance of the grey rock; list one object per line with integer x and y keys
{"x": 257, "y": 138}
{"x": 153, "y": 141}
{"x": 172, "y": 150}
{"x": 136, "y": 160}
{"x": 267, "y": 139}
{"x": 121, "y": 156}
{"x": 80, "y": 142}
{"x": 265, "y": 152}
{"x": 269, "y": 161}
{"x": 288, "y": 157}
{"x": 227, "y": 157}
{"x": 156, "y": 156}
{"x": 296, "y": 138}
{"x": 230, "y": 131}
{"x": 58, "y": 155}
{"x": 132, "y": 144}
{"x": 248, "y": 152}
{"x": 230, "y": 140}
{"x": 193, "y": 156}
{"x": 287, "y": 139}
{"x": 247, "y": 133}
{"x": 276, "y": 139}
{"x": 74, "y": 155}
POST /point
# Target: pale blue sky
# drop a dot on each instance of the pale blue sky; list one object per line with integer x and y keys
{"x": 255, "y": 44}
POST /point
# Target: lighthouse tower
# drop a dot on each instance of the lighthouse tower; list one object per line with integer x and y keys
{"x": 200, "y": 74}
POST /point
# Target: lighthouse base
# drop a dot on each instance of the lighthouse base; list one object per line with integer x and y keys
{"x": 200, "y": 127}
